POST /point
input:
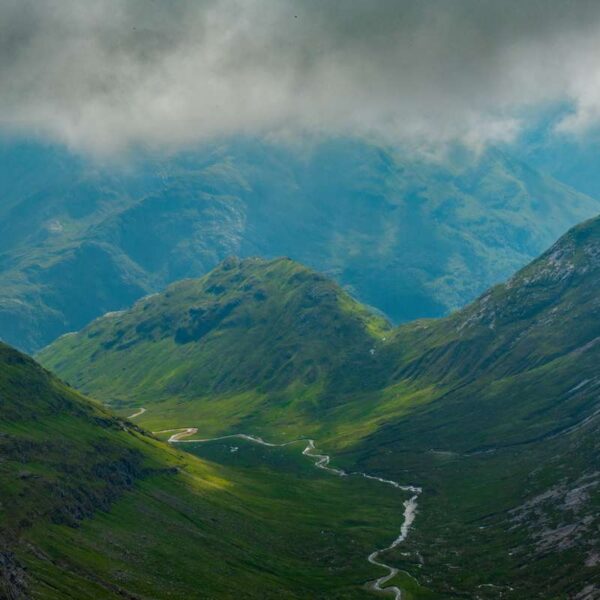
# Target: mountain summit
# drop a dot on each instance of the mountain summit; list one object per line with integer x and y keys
{"x": 249, "y": 325}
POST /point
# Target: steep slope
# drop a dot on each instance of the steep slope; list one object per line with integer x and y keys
{"x": 508, "y": 445}
{"x": 92, "y": 507}
{"x": 543, "y": 325}
{"x": 494, "y": 410}
{"x": 410, "y": 236}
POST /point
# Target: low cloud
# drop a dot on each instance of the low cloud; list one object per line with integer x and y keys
{"x": 113, "y": 74}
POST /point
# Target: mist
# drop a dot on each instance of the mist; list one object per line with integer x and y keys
{"x": 111, "y": 75}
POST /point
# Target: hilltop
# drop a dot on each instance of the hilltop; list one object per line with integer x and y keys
{"x": 259, "y": 335}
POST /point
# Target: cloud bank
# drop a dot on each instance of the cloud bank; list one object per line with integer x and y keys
{"x": 107, "y": 75}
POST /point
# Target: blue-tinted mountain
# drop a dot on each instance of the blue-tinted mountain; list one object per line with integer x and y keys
{"x": 409, "y": 236}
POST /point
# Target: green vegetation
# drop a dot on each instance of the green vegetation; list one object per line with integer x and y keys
{"x": 493, "y": 410}
{"x": 93, "y": 507}
{"x": 187, "y": 343}
{"x": 411, "y": 237}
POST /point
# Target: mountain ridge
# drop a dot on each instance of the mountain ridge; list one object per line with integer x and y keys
{"x": 445, "y": 230}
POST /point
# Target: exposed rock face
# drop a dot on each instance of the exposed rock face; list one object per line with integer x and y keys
{"x": 563, "y": 518}
{"x": 589, "y": 592}
{"x": 13, "y": 579}
{"x": 533, "y": 291}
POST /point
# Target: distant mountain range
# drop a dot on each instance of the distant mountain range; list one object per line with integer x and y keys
{"x": 493, "y": 410}
{"x": 409, "y": 236}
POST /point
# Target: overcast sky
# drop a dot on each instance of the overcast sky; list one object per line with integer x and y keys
{"x": 104, "y": 75}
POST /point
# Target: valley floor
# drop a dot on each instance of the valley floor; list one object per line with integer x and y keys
{"x": 280, "y": 527}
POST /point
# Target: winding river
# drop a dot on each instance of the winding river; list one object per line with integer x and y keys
{"x": 321, "y": 461}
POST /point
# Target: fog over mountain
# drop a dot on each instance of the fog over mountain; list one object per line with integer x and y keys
{"x": 118, "y": 74}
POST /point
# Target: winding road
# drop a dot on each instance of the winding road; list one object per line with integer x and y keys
{"x": 322, "y": 462}
{"x": 141, "y": 411}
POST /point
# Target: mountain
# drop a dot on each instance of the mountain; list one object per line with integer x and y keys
{"x": 492, "y": 410}
{"x": 509, "y": 445}
{"x": 570, "y": 159}
{"x": 410, "y": 236}
{"x": 93, "y": 507}
{"x": 249, "y": 332}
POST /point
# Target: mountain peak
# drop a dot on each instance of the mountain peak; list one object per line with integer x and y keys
{"x": 545, "y": 288}
{"x": 247, "y": 322}
{"x": 575, "y": 253}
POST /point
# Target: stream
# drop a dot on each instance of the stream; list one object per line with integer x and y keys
{"x": 321, "y": 461}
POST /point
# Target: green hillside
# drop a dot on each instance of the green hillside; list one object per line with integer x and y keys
{"x": 510, "y": 450}
{"x": 492, "y": 410}
{"x": 263, "y": 340}
{"x": 409, "y": 236}
{"x": 93, "y": 507}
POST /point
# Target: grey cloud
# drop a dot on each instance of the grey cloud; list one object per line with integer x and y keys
{"x": 106, "y": 75}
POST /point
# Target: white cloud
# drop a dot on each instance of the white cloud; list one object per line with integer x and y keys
{"x": 110, "y": 74}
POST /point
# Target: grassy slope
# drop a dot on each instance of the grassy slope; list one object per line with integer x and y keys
{"x": 298, "y": 328}
{"x": 92, "y": 507}
{"x": 490, "y": 409}
{"x": 510, "y": 456}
